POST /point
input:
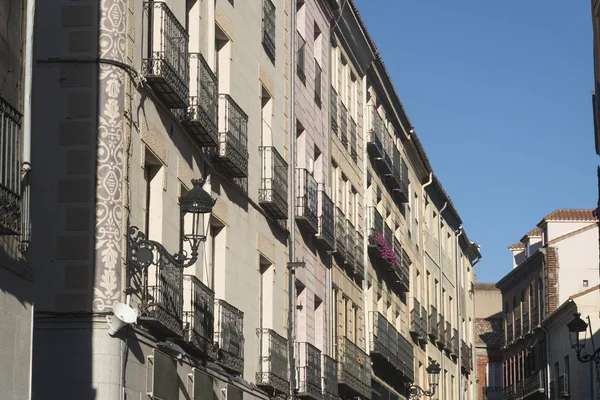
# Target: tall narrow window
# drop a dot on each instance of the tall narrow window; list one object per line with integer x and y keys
{"x": 268, "y": 28}
{"x": 318, "y": 80}
{"x": 222, "y": 60}
{"x": 300, "y": 57}
{"x": 217, "y": 256}
{"x": 265, "y": 294}
{"x": 153, "y": 179}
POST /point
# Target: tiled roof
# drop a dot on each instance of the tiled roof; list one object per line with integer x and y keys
{"x": 535, "y": 232}
{"x": 516, "y": 246}
{"x": 489, "y": 331}
{"x": 571, "y": 214}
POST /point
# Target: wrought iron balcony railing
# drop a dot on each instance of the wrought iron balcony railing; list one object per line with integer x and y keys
{"x": 517, "y": 328}
{"x": 416, "y": 327}
{"x": 433, "y": 324}
{"x": 401, "y": 269}
{"x": 306, "y": 201}
{"x": 491, "y": 392}
{"x": 406, "y": 358}
{"x": 166, "y": 66}
{"x": 344, "y": 125}
{"x": 441, "y": 330}
{"x": 390, "y": 347}
{"x": 448, "y": 341}
{"x": 466, "y": 356}
{"x": 526, "y": 323}
{"x": 375, "y": 227}
{"x": 201, "y": 117}
{"x": 198, "y": 315}
{"x": 161, "y": 307}
{"x": 534, "y": 383}
{"x": 333, "y": 109}
{"x": 229, "y": 335}
{"x": 329, "y": 368}
{"x": 273, "y": 192}
{"x": 273, "y": 362}
{"x": 354, "y": 368}
{"x": 340, "y": 234}
{"x": 300, "y": 57}
{"x": 325, "y": 232}
{"x": 268, "y": 28}
{"x": 10, "y": 170}
{"x": 399, "y": 176}
{"x": 350, "y": 245}
{"x": 535, "y": 317}
{"x": 388, "y": 235}
{"x": 233, "y": 137}
{"x": 359, "y": 269}
{"x": 353, "y": 140}
{"x": 379, "y": 141}
{"x": 309, "y": 371}
{"x": 455, "y": 344}
{"x": 508, "y": 393}
{"x": 509, "y": 330}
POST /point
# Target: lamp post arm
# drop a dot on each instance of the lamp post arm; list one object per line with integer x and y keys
{"x": 585, "y": 357}
{"x": 416, "y": 392}
{"x": 141, "y": 251}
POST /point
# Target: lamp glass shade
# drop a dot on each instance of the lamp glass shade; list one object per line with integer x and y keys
{"x": 577, "y": 326}
{"x": 193, "y": 205}
{"x": 433, "y": 373}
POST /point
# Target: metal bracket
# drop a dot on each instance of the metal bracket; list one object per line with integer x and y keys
{"x": 296, "y": 264}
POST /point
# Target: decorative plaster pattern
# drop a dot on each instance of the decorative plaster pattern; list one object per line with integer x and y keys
{"x": 110, "y": 162}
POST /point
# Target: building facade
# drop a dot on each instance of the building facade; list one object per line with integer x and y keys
{"x": 489, "y": 331}
{"x": 551, "y": 262}
{"x": 330, "y": 234}
{"x": 16, "y": 272}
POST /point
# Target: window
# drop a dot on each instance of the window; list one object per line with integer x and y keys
{"x": 586, "y": 283}
{"x": 10, "y": 169}
{"x": 268, "y": 28}
{"x": 153, "y": 181}
{"x": 317, "y": 84}
{"x": 300, "y": 68}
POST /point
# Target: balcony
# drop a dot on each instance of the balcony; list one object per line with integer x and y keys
{"x": 399, "y": 177}
{"x": 448, "y": 340}
{"x": 268, "y": 28}
{"x": 201, "y": 117}
{"x": 161, "y": 307}
{"x": 354, "y": 372}
{"x": 416, "y": 327}
{"x": 424, "y": 324}
{"x": 309, "y": 371}
{"x": 379, "y": 141}
{"x": 325, "y": 230}
{"x": 375, "y": 228}
{"x": 166, "y": 67}
{"x": 509, "y": 331}
{"x": 329, "y": 368}
{"x": 359, "y": 269}
{"x": 353, "y": 139}
{"x": 491, "y": 392}
{"x": 455, "y": 344}
{"x": 389, "y": 349}
{"x": 433, "y": 324}
{"x": 518, "y": 328}
{"x": 350, "y": 245}
{"x": 534, "y": 383}
{"x": 333, "y": 108}
{"x": 466, "y": 356}
{"x": 10, "y": 170}
{"x": 344, "y": 125}
{"x": 229, "y": 335}
{"x": 233, "y": 137}
{"x": 402, "y": 268}
{"x": 508, "y": 393}
{"x": 198, "y": 315}
{"x": 535, "y": 318}
{"x": 273, "y": 192}
{"x": 441, "y": 330}
{"x": 273, "y": 363}
{"x": 306, "y": 201}
{"x": 526, "y": 324}
{"x": 340, "y": 234}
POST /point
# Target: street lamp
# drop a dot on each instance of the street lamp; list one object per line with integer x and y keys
{"x": 433, "y": 374}
{"x": 195, "y": 204}
{"x": 577, "y": 326}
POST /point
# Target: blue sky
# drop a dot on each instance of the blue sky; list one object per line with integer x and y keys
{"x": 500, "y": 95}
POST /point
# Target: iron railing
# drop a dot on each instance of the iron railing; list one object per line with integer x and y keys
{"x": 399, "y": 176}
{"x": 375, "y": 226}
{"x": 273, "y": 362}
{"x": 268, "y": 28}
{"x": 455, "y": 344}
{"x": 326, "y": 229}
{"x": 340, "y": 233}
{"x": 448, "y": 341}
{"x": 333, "y": 109}
{"x": 354, "y": 368}
{"x": 300, "y": 57}
{"x": 306, "y": 200}
{"x": 389, "y": 346}
{"x": 509, "y": 330}
{"x": 466, "y": 356}
{"x": 441, "y": 330}
{"x": 517, "y": 328}
{"x": 379, "y": 141}
{"x": 329, "y": 368}
{"x": 309, "y": 371}
{"x": 526, "y": 323}
{"x": 229, "y": 335}
{"x": 507, "y": 393}
{"x": 318, "y": 83}
{"x": 388, "y": 235}
{"x": 162, "y": 297}
{"x": 166, "y": 65}
{"x": 535, "y": 317}
{"x": 359, "y": 269}
{"x": 10, "y": 170}
{"x": 198, "y": 314}
{"x": 416, "y": 327}
{"x": 344, "y": 125}
{"x": 201, "y": 117}
{"x": 491, "y": 392}
{"x": 534, "y": 383}
{"x": 433, "y": 325}
{"x": 233, "y": 137}
{"x": 273, "y": 192}
{"x": 353, "y": 140}
{"x": 350, "y": 244}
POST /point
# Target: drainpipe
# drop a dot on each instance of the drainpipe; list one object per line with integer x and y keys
{"x": 458, "y": 282}
{"x": 442, "y": 358}
{"x": 473, "y": 312}
{"x": 28, "y": 83}
{"x": 547, "y": 346}
{"x": 292, "y": 237}
{"x": 423, "y": 242}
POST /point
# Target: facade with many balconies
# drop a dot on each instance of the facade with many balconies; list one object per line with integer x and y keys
{"x": 532, "y": 291}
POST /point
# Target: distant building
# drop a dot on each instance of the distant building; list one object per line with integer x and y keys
{"x": 488, "y": 340}
{"x": 551, "y": 262}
